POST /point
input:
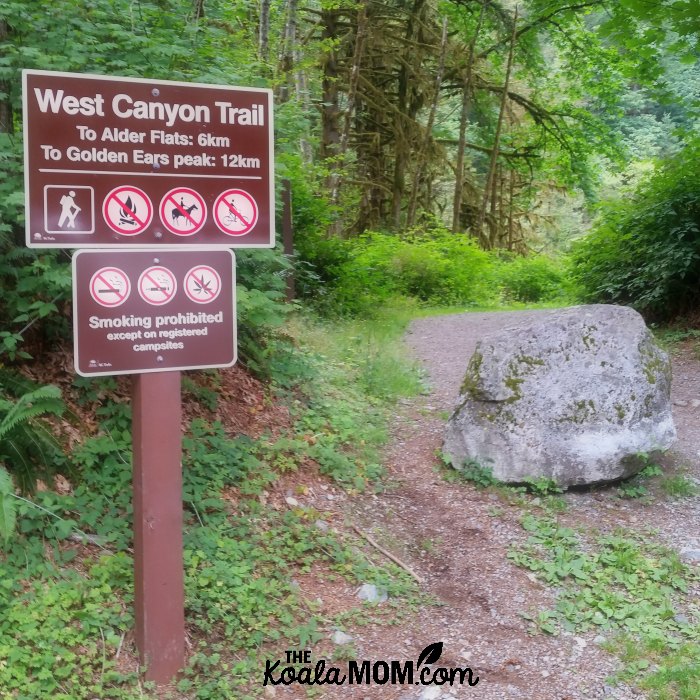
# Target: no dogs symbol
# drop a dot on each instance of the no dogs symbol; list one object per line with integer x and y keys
{"x": 183, "y": 211}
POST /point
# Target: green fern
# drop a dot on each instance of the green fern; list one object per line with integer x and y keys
{"x": 46, "y": 399}
{"x": 8, "y": 511}
{"x": 27, "y": 447}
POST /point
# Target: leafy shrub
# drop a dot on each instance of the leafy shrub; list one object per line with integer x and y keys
{"x": 532, "y": 279}
{"x": 435, "y": 267}
{"x": 645, "y": 251}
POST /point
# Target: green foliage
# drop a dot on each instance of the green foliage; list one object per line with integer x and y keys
{"x": 27, "y": 447}
{"x": 645, "y": 250}
{"x": 531, "y": 279}
{"x": 212, "y": 461}
{"x": 435, "y": 267}
{"x": 622, "y": 585}
{"x": 8, "y": 510}
{"x": 59, "y": 632}
{"x": 260, "y": 291}
{"x": 473, "y": 472}
{"x": 636, "y": 486}
{"x": 679, "y": 486}
{"x": 542, "y": 486}
{"x": 371, "y": 349}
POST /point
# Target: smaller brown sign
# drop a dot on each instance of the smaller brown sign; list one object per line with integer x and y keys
{"x": 153, "y": 311}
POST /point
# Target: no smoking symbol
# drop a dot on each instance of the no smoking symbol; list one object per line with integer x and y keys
{"x": 157, "y": 285}
{"x": 110, "y": 286}
{"x": 235, "y": 212}
{"x": 183, "y": 211}
{"x": 202, "y": 284}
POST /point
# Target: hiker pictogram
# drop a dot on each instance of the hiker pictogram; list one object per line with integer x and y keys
{"x": 69, "y": 209}
{"x": 183, "y": 211}
{"x": 235, "y": 212}
{"x": 127, "y": 210}
{"x": 202, "y": 284}
{"x": 110, "y": 286}
{"x": 157, "y": 285}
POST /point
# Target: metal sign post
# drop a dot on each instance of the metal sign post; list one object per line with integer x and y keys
{"x": 159, "y": 595}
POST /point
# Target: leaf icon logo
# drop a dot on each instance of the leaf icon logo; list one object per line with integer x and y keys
{"x": 430, "y": 654}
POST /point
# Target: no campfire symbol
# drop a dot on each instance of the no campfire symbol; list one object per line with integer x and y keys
{"x": 202, "y": 284}
{"x": 127, "y": 210}
{"x": 183, "y": 211}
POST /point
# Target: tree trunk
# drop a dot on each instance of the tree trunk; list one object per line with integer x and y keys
{"x": 402, "y": 144}
{"x": 264, "y": 33}
{"x": 497, "y": 137}
{"x": 360, "y": 37}
{"x": 423, "y": 152}
{"x": 511, "y": 191}
{"x": 330, "y": 110}
{"x": 493, "y": 220}
{"x": 288, "y": 45}
{"x": 463, "y": 123}
{"x": 6, "y": 120}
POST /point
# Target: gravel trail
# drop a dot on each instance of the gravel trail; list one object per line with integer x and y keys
{"x": 456, "y": 538}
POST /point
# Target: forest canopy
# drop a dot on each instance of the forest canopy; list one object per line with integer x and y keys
{"x": 505, "y": 121}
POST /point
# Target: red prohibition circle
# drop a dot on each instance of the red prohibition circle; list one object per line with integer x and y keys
{"x": 124, "y": 215}
{"x": 202, "y": 284}
{"x": 172, "y": 212}
{"x": 110, "y": 287}
{"x": 157, "y": 285}
{"x": 235, "y": 212}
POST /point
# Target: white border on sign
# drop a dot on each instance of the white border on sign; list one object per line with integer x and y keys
{"x": 76, "y": 359}
{"x": 91, "y": 76}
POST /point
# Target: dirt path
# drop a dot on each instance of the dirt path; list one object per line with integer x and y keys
{"x": 456, "y": 537}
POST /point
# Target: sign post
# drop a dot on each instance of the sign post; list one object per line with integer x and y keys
{"x": 159, "y": 595}
{"x": 140, "y": 170}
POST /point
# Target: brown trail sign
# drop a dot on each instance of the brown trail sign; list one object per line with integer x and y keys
{"x": 112, "y": 162}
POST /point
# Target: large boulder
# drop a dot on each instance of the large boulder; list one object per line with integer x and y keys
{"x": 574, "y": 396}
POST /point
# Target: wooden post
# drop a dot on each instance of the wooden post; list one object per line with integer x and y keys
{"x": 159, "y": 598}
{"x": 288, "y": 233}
